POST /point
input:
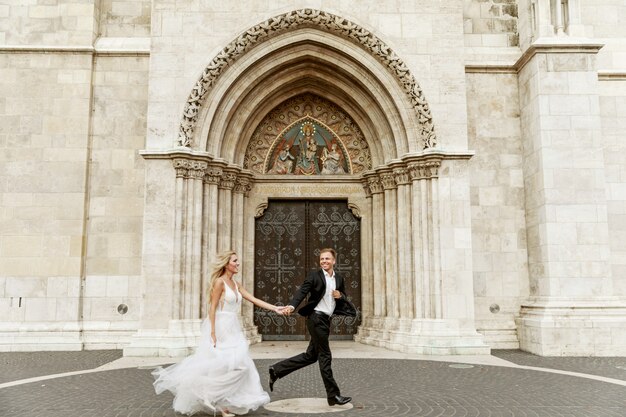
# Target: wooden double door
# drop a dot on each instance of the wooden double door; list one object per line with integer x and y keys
{"x": 288, "y": 237}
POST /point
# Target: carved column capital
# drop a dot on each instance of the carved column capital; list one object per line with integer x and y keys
{"x": 375, "y": 185}
{"x": 388, "y": 180}
{"x": 242, "y": 185}
{"x": 181, "y": 166}
{"x": 197, "y": 169}
{"x": 213, "y": 175}
{"x": 227, "y": 180}
{"x": 401, "y": 176}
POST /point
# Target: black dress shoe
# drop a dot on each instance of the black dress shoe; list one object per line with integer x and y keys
{"x": 273, "y": 378}
{"x": 338, "y": 400}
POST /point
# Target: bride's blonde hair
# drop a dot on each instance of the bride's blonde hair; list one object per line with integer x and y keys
{"x": 219, "y": 267}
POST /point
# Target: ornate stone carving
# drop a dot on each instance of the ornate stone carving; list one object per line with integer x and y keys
{"x": 243, "y": 185}
{"x": 260, "y": 210}
{"x": 186, "y": 168}
{"x": 197, "y": 169}
{"x": 290, "y": 21}
{"x": 366, "y": 188}
{"x": 388, "y": 180}
{"x": 181, "y": 166}
{"x": 375, "y": 186}
{"x": 355, "y": 210}
{"x": 227, "y": 181}
{"x": 401, "y": 176}
{"x": 424, "y": 170}
{"x": 213, "y": 175}
{"x": 302, "y": 107}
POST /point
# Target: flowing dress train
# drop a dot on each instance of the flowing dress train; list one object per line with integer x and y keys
{"x": 216, "y": 378}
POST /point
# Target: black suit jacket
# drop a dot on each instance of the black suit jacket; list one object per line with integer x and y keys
{"x": 314, "y": 288}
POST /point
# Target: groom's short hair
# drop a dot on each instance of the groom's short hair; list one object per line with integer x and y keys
{"x": 329, "y": 250}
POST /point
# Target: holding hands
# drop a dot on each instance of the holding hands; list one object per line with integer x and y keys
{"x": 284, "y": 310}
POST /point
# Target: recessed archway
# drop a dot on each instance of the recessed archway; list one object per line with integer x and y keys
{"x": 310, "y": 51}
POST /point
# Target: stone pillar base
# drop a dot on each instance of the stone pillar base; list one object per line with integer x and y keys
{"x": 69, "y": 336}
{"x": 34, "y": 337}
{"x": 180, "y": 339}
{"x": 573, "y": 328}
{"x": 425, "y": 337}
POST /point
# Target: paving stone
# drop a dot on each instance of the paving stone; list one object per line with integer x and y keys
{"x": 379, "y": 387}
{"x": 22, "y": 365}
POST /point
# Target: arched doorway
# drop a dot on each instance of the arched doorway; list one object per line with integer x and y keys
{"x": 288, "y": 237}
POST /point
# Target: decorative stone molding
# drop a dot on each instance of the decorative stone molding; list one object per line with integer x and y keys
{"x": 197, "y": 169}
{"x": 227, "y": 181}
{"x": 291, "y": 21}
{"x": 355, "y": 210}
{"x": 243, "y": 185}
{"x": 186, "y": 168}
{"x": 260, "y": 210}
{"x": 401, "y": 176}
{"x": 424, "y": 170}
{"x": 388, "y": 180}
{"x": 213, "y": 175}
{"x": 366, "y": 188}
{"x": 181, "y": 166}
{"x": 375, "y": 185}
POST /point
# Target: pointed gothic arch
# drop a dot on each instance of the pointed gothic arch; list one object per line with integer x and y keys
{"x": 299, "y": 19}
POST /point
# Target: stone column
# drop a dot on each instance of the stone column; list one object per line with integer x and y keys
{"x": 571, "y": 310}
{"x": 367, "y": 268}
{"x": 419, "y": 261}
{"x": 241, "y": 187}
{"x": 181, "y": 167}
{"x": 194, "y": 294}
{"x": 391, "y": 245}
{"x": 405, "y": 261}
{"x": 209, "y": 231}
{"x": 378, "y": 254}
{"x": 224, "y": 216}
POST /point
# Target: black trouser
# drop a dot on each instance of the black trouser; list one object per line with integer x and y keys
{"x": 318, "y": 350}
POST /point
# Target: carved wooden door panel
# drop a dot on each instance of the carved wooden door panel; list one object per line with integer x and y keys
{"x": 287, "y": 241}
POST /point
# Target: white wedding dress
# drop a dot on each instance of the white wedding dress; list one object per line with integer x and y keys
{"x": 216, "y": 378}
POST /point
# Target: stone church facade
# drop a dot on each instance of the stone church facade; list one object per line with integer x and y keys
{"x": 467, "y": 157}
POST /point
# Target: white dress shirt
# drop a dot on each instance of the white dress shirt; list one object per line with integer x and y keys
{"x": 327, "y": 303}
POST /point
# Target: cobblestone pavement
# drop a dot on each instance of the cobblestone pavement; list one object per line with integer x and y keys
{"x": 22, "y": 365}
{"x": 379, "y": 387}
{"x": 610, "y": 367}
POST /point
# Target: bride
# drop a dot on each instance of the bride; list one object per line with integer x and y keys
{"x": 220, "y": 375}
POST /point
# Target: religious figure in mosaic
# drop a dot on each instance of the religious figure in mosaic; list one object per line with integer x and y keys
{"x": 307, "y": 163}
{"x": 331, "y": 161}
{"x": 284, "y": 162}
{"x": 307, "y": 147}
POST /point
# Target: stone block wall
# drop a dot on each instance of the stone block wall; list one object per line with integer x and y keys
{"x": 497, "y": 200}
{"x": 71, "y": 179}
{"x": 490, "y": 23}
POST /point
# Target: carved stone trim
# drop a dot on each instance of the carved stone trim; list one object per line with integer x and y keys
{"x": 213, "y": 175}
{"x": 366, "y": 188}
{"x": 375, "y": 185}
{"x": 388, "y": 180}
{"x": 227, "y": 181}
{"x": 401, "y": 176}
{"x": 424, "y": 170}
{"x": 181, "y": 166}
{"x": 355, "y": 210}
{"x": 186, "y": 168}
{"x": 242, "y": 185}
{"x": 260, "y": 210}
{"x": 290, "y": 21}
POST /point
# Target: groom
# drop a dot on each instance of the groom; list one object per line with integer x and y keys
{"x": 326, "y": 296}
